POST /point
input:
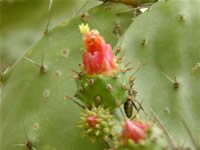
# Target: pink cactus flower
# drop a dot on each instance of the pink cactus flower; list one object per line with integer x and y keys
{"x": 133, "y": 130}
{"x": 97, "y": 57}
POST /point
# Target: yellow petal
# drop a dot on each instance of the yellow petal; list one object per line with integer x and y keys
{"x": 84, "y": 28}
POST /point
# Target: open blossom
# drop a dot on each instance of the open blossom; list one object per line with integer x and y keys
{"x": 133, "y": 130}
{"x": 97, "y": 57}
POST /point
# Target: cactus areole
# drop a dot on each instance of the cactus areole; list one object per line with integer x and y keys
{"x": 100, "y": 73}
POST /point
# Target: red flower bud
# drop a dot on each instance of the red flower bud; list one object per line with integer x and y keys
{"x": 92, "y": 121}
{"x": 97, "y": 57}
{"x": 133, "y": 130}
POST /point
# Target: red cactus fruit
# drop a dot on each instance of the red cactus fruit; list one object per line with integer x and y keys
{"x": 97, "y": 122}
{"x": 92, "y": 121}
{"x": 97, "y": 57}
{"x": 133, "y": 130}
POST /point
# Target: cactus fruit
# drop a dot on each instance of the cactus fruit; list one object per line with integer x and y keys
{"x": 101, "y": 81}
{"x": 98, "y": 71}
{"x": 111, "y": 90}
{"x": 97, "y": 123}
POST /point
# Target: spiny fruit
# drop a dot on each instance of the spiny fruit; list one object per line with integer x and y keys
{"x": 101, "y": 81}
{"x": 97, "y": 122}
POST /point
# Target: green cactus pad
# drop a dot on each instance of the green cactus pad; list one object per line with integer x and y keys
{"x": 34, "y": 98}
{"x": 167, "y": 38}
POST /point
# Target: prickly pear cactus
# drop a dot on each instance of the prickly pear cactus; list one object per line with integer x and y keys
{"x": 34, "y": 113}
{"x": 166, "y": 38}
{"x": 41, "y": 102}
{"x": 99, "y": 69}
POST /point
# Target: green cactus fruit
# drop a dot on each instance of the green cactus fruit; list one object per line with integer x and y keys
{"x": 97, "y": 123}
{"x": 33, "y": 109}
{"x": 102, "y": 90}
{"x": 167, "y": 38}
{"x": 101, "y": 81}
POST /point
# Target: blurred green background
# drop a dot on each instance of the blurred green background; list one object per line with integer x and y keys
{"x": 22, "y": 23}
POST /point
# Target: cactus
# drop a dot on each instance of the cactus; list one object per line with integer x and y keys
{"x": 166, "y": 38}
{"x": 38, "y": 110}
{"x": 33, "y": 110}
{"x": 97, "y": 123}
{"x": 100, "y": 72}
